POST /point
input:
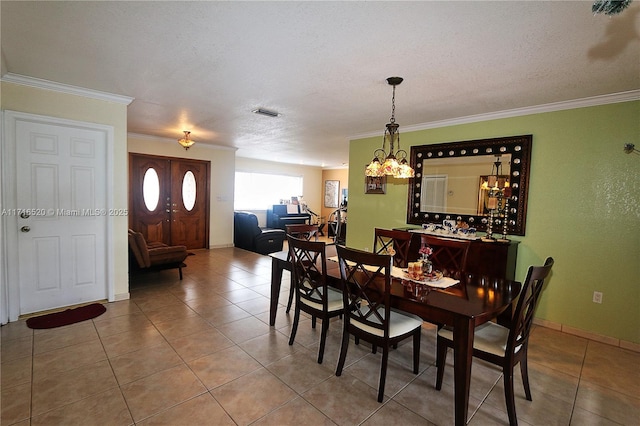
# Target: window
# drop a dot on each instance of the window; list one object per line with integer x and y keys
{"x": 260, "y": 191}
{"x": 434, "y": 189}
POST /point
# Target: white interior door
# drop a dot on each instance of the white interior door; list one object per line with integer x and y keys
{"x": 61, "y": 214}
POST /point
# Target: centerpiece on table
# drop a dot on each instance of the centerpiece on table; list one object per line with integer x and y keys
{"x": 427, "y": 267}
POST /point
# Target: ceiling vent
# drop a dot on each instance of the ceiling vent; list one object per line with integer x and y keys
{"x": 266, "y": 112}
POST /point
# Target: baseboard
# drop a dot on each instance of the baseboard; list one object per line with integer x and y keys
{"x": 121, "y": 296}
{"x": 635, "y": 347}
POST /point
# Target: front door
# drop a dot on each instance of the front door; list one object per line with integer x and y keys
{"x": 169, "y": 200}
{"x": 61, "y": 203}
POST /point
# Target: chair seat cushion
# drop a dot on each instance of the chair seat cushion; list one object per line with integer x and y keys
{"x": 334, "y": 301}
{"x": 400, "y": 323}
{"x": 489, "y": 337}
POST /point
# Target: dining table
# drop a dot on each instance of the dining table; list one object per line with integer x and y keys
{"x": 471, "y": 301}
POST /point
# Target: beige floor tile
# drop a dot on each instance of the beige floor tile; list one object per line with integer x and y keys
{"x": 255, "y": 306}
{"x": 223, "y": 366}
{"x": 332, "y": 348}
{"x": 301, "y": 373}
{"x": 107, "y": 408}
{"x": 244, "y": 329}
{"x": 612, "y": 367}
{"x": 15, "y": 402}
{"x": 201, "y": 410}
{"x": 582, "y": 417}
{"x": 116, "y": 309}
{"x": 153, "y": 300}
{"x": 68, "y": 358}
{"x": 393, "y": 413}
{"x": 487, "y": 415}
{"x": 200, "y": 344}
{"x": 56, "y": 338}
{"x": 15, "y": 330}
{"x": 421, "y": 397}
{"x": 267, "y": 393}
{"x": 367, "y": 369}
{"x": 269, "y": 347}
{"x": 607, "y": 403}
{"x": 170, "y": 313}
{"x": 16, "y": 372}
{"x": 16, "y": 348}
{"x": 344, "y": 399}
{"x": 122, "y": 343}
{"x": 144, "y": 362}
{"x": 225, "y": 314}
{"x": 544, "y": 409}
{"x": 56, "y": 390}
{"x": 165, "y": 389}
{"x": 177, "y": 328}
{"x": 556, "y": 350}
{"x": 291, "y": 414}
{"x": 122, "y": 324}
{"x": 241, "y": 295}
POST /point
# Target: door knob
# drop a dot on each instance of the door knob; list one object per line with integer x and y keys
{"x": 25, "y": 229}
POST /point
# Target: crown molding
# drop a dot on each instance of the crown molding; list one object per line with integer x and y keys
{"x": 170, "y": 140}
{"x": 631, "y": 95}
{"x": 65, "y": 88}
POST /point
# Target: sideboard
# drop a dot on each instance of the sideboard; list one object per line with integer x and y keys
{"x": 493, "y": 259}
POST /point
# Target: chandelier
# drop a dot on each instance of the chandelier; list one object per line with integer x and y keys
{"x": 185, "y": 141}
{"x": 392, "y": 163}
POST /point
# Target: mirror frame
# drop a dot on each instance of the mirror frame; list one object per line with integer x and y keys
{"x": 520, "y": 149}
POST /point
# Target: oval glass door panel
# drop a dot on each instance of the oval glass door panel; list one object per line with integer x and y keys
{"x": 151, "y": 189}
{"x": 189, "y": 190}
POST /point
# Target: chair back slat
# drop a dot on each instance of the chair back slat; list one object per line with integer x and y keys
{"x": 366, "y": 287}
{"x": 449, "y": 256}
{"x": 303, "y": 231}
{"x": 526, "y": 305}
{"x": 399, "y": 240}
{"x": 309, "y": 270}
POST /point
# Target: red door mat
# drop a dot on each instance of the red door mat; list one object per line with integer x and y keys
{"x": 70, "y": 316}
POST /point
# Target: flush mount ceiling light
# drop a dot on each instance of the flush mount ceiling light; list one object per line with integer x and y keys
{"x": 266, "y": 112}
{"x": 394, "y": 163}
{"x": 186, "y": 142}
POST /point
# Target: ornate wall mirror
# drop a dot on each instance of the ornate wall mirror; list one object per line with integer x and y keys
{"x": 450, "y": 181}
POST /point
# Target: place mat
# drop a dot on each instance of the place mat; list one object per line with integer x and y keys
{"x": 400, "y": 273}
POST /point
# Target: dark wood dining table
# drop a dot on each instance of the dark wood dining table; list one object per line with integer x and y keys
{"x": 463, "y": 306}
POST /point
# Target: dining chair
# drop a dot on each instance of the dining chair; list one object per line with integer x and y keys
{"x": 504, "y": 346}
{"x": 305, "y": 232}
{"x": 366, "y": 294}
{"x": 449, "y": 255}
{"x": 313, "y": 295}
{"x": 400, "y": 241}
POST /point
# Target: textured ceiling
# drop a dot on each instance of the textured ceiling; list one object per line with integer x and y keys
{"x": 204, "y": 66}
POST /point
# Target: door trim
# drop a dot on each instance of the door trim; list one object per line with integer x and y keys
{"x": 9, "y": 279}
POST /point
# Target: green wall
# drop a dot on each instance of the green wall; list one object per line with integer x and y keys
{"x": 583, "y": 209}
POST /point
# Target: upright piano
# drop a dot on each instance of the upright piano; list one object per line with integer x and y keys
{"x": 281, "y": 215}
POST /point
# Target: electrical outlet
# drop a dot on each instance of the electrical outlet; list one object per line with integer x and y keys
{"x": 597, "y": 297}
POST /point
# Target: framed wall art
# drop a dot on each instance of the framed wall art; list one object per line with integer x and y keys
{"x": 331, "y": 193}
{"x": 375, "y": 184}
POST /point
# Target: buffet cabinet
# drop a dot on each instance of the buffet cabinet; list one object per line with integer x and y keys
{"x": 493, "y": 259}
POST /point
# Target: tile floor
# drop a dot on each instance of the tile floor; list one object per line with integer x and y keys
{"x": 200, "y": 352}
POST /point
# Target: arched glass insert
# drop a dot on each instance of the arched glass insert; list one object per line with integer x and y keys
{"x": 189, "y": 190}
{"x": 151, "y": 189}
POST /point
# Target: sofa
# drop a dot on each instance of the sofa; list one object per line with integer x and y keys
{"x": 154, "y": 256}
{"x": 248, "y": 235}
